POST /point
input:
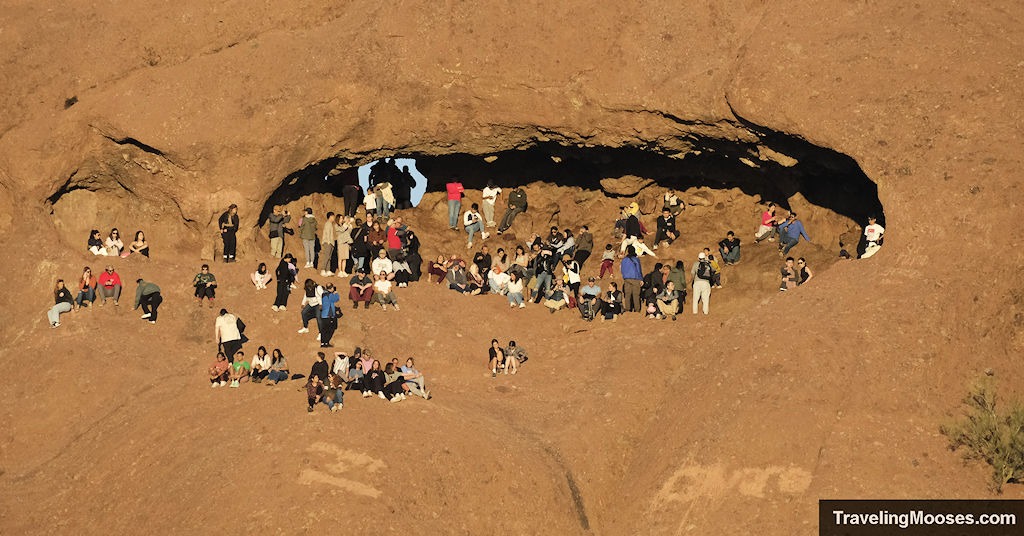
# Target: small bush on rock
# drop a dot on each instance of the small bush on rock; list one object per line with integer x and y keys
{"x": 987, "y": 435}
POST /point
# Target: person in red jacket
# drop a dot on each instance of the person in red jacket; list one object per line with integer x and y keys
{"x": 110, "y": 286}
{"x": 395, "y": 232}
{"x": 455, "y": 190}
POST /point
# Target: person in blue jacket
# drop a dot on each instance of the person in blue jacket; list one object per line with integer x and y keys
{"x": 632, "y": 278}
{"x": 790, "y": 232}
{"x": 328, "y": 312}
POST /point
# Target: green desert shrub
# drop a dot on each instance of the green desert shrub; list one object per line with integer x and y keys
{"x": 986, "y": 434}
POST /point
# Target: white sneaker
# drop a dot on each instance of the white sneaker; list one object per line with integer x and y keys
{"x": 394, "y": 399}
{"x": 274, "y": 308}
{"x": 147, "y": 315}
{"x": 385, "y": 307}
{"x": 328, "y": 273}
{"x": 522, "y": 305}
{"x": 342, "y": 274}
{"x": 304, "y": 330}
{"x": 403, "y": 396}
{"x": 396, "y": 307}
{"x": 56, "y": 324}
{"x": 223, "y": 383}
{"x": 282, "y": 308}
{"x": 382, "y": 397}
{"x": 317, "y": 336}
{"x": 511, "y": 305}
{"x": 215, "y": 384}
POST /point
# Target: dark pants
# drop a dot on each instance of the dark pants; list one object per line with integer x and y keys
{"x": 203, "y": 291}
{"x": 230, "y": 348}
{"x": 150, "y": 303}
{"x": 394, "y": 388}
{"x": 351, "y": 194}
{"x": 631, "y": 295}
{"x": 309, "y": 313}
{"x": 375, "y": 384}
{"x": 581, "y": 257}
{"x": 282, "y": 294}
{"x": 229, "y": 246}
{"x": 663, "y": 235}
{"x": 327, "y": 329}
{"x": 788, "y": 243}
{"x": 508, "y": 218}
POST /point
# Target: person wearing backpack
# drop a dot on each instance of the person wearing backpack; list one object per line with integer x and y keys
{"x": 701, "y": 273}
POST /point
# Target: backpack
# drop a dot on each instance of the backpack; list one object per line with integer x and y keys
{"x": 704, "y": 270}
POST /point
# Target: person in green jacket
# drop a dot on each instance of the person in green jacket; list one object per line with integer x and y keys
{"x": 307, "y": 232}
{"x": 677, "y": 275}
{"x": 148, "y": 296}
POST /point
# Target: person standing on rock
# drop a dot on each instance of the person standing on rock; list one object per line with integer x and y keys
{"x": 584, "y": 245}
{"x": 402, "y": 186}
{"x": 328, "y": 242}
{"x": 228, "y": 224}
{"x": 285, "y": 278}
{"x": 147, "y": 295}
{"x": 328, "y": 320}
{"x": 632, "y": 277}
{"x": 516, "y": 206}
{"x": 873, "y": 236}
{"x": 790, "y": 233}
{"x": 276, "y": 220}
{"x": 307, "y": 232}
{"x": 455, "y": 192}
{"x": 702, "y": 274}
{"x": 352, "y": 193}
{"x": 490, "y": 195}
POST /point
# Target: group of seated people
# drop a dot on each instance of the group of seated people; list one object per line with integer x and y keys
{"x": 327, "y": 383}
{"x": 505, "y": 358}
{"x": 113, "y": 245}
{"x": 271, "y": 369}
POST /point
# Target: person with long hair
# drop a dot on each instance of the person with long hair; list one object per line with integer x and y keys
{"x": 496, "y": 356}
{"x": 394, "y": 384}
{"x": 285, "y": 278}
{"x": 86, "y": 289}
{"x": 261, "y": 277}
{"x": 611, "y": 302}
{"x": 218, "y": 371}
{"x": 376, "y": 239}
{"x": 515, "y": 291}
{"x": 113, "y": 243}
{"x": 803, "y": 271}
{"x": 96, "y": 245}
{"x": 383, "y": 293}
{"x": 373, "y": 381}
{"x": 343, "y": 231}
{"x": 415, "y": 382}
{"x": 139, "y": 245}
{"x": 327, "y": 318}
{"x": 439, "y": 268}
{"x": 311, "y": 293}
{"x": 260, "y": 365}
{"x": 360, "y": 246}
{"x": 62, "y": 303}
{"x": 279, "y": 371}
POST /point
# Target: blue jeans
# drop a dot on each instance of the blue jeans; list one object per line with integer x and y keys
{"x": 454, "y": 207}
{"x": 383, "y": 208}
{"x": 785, "y": 240}
{"x": 358, "y": 262}
{"x": 495, "y": 289}
{"x": 339, "y": 399}
{"x": 732, "y": 256}
{"x": 309, "y": 312}
{"x": 515, "y": 298}
{"x": 473, "y": 228}
{"x": 543, "y": 284}
{"x": 88, "y": 294}
{"x": 277, "y": 376}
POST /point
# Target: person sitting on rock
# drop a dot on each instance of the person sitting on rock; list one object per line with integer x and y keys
{"x": 498, "y": 280}
{"x": 495, "y": 356}
{"x": 668, "y": 301}
{"x": 514, "y": 356}
{"x": 515, "y": 291}
{"x": 789, "y": 275}
{"x": 672, "y": 203}
{"x": 360, "y": 289}
{"x": 568, "y": 245}
{"x": 261, "y": 277}
{"x": 476, "y": 281}
{"x": 139, "y": 245}
{"x": 218, "y": 371}
{"x": 590, "y": 300}
{"x": 873, "y": 236}
{"x": 439, "y": 269}
{"x": 803, "y": 271}
{"x": 473, "y": 222}
{"x": 377, "y": 239}
{"x": 334, "y": 394}
{"x": 96, "y": 246}
{"x": 482, "y": 259}
{"x": 86, "y": 289}
{"x": 790, "y": 233}
{"x": 109, "y": 285}
{"x": 415, "y": 382}
{"x": 666, "y": 228}
{"x": 260, "y": 365}
{"x": 633, "y": 233}
{"x": 279, "y": 371}
{"x": 519, "y": 262}
{"x": 611, "y": 302}
{"x": 769, "y": 226}
{"x": 558, "y": 298}
{"x": 205, "y": 284}
{"x": 240, "y": 369}
{"x": 62, "y": 303}
{"x": 383, "y": 264}
{"x": 457, "y": 278}
{"x": 653, "y": 283}
{"x": 314, "y": 392}
{"x": 394, "y": 383}
{"x": 516, "y": 206}
{"x": 382, "y": 292}
{"x": 113, "y": 243}
{"x": 374, "y": 382}
{"x": 729, "y": 248}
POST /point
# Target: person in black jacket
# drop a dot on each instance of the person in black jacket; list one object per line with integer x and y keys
{"x": 228, "y": 224}
{"x": 402, "y": 186}
{"x": 321, "y": 368}
{"x": 666, "y": 228}
{"x": 284, "y": 282}
{"x": 412, "y": 255}
{"x": 516, "y": 206}
{"x": 62, "y": 303}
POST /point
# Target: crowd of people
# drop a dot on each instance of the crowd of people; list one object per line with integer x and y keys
{"x": 379, "y": 254}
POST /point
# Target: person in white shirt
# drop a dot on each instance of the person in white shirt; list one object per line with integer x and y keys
{"x": 226, "y": 334}
{"x": 515, "y": 291}
{"x": 473, "y": 223}
{"x": 370, "y": 202}
{"x": 260, "y": 365}
{"x": 312, "y": 293}
{"x": 873, "y": 235}
{"x": 113, "y": 243}
{"x": 490, "y": 195}
{"x": 498, "y": 280}
{"x": 383, "y": 264}
{"x": 382, "y": 292}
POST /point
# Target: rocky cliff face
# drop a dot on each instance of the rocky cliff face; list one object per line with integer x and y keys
{"x": 159, "y": 115}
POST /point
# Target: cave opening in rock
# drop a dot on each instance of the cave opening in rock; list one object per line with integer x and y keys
{"x": 776, "y": 168}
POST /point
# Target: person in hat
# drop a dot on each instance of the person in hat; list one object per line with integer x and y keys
{"x": 590, "y": 299}
{"x": 702, "y": 274}
{"x": 360, "y": 289}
